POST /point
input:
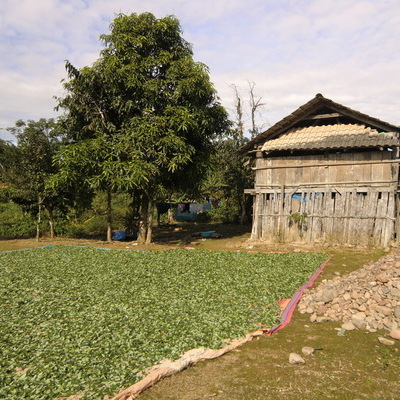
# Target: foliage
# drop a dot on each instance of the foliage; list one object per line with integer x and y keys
{"x": 228, "y": 175}
{"x": 143, "y": 116}
{"x": 84, "y": 320}
{"x": 7, "y": 159}
{"x": 300, "y": 219}
{"x": 92, "y": 221}
{"x": 31, "y": 168}
{"x": 15, "y": 223}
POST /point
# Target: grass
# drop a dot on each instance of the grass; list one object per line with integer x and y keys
{"x": 84, "y": 320}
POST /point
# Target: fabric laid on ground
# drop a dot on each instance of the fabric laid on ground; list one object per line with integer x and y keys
{"x": 292, "y": 303}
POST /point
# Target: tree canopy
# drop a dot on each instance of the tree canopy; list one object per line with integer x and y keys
{"x": 31, "y": 166}
{"x": 143, "y": 117}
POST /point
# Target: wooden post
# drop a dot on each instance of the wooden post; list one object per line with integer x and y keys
{"x": 281, "y": 218}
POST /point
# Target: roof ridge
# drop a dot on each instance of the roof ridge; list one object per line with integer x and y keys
{"x": 304, "y": 112}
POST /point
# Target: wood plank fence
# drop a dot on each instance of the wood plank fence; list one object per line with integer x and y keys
{"x": 366, "y": 216}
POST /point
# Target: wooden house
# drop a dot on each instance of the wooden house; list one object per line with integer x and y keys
{"x": 326, "y": 174}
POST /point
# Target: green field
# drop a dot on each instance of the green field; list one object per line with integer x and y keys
{"x": 86, "y": 320}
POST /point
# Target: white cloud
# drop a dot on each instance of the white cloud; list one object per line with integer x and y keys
{"x": 346, "y": 50}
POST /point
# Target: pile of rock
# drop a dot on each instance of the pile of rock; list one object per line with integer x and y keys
{"x": 368, "y": 298}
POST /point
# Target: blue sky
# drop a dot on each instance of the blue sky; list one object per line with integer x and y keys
{"x": 348, "y": 50}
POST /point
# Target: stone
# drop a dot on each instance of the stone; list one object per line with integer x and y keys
{"x": 367, "y": 298}
{"x": 306, "y": 350}
{"x": 355, "y": 295}
{"x": 347, "y": 296}
{"x": 295, "y": 358}
{"x": 359, "y": 315}
{"x": 385, "y": 341}
{"x": 359, "y": 323}
{"x": 328, "y": 295}
{"x": 395, "y": 334}
{"x": 383, "y": 310}
{"x": 313, "y": 317}
{"x": 395, "y": 292}
{"x": 322, "y": 309}
{"x": 382, "y": 278}
{"x": 349, "y": 326}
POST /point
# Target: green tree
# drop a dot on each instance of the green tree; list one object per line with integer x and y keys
{"x": 32, "y": 166}
{"x": 228, "y": 175}
{"x": 7, "y": 159}
{"x": 143, "y": 117}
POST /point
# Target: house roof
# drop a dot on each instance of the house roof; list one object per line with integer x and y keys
{"x": 338, "y": 136}
{"x": 321, "y": 111}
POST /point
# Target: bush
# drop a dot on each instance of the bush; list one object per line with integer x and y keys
{"x": 15, "y": 223}
{"x": 225, "y": 212}
{"x": 93, "y": 222}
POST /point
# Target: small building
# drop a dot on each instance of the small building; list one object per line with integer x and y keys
{"x": 326, "y": 174}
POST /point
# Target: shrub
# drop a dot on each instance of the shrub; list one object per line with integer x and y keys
{"x": 15, "y": 223}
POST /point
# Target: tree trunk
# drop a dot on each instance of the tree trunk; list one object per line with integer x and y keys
{"x": 51, "y": 223}
{"x": 109, "y": 216}
{"x": 143, "y": 219}
{"x": 171, "y": 219}
{"x": 39, "y": 218}
{"x": 149, "y": 233}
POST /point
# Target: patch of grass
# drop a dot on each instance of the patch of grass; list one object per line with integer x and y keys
{"x": 88, "y": 320}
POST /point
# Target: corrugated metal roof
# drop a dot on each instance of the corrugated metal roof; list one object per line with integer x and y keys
{"x": 338, "y": 136}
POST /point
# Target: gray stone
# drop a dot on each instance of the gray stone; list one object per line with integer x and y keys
{"x": 322, "y": 319}
{"x": 295, "y": 358}
{"x": 328, "y": 295}
{"x": 383, "y": 310}
{"x": 395, "y": 292}
{"x": 349, "y": 326}
{"x": 306, "y": 350}
{"x": 313, "y": 317}
{"x": 367, "y": 298}
{"x": 359, "y": 315}
{"x": 359, "y": 323}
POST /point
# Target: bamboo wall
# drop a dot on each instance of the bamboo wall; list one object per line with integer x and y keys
{"x": 346, "y": 198}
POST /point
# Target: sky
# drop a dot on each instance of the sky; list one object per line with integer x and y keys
{"x": 348, "y": 50}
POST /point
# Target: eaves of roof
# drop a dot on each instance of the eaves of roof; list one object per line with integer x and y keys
{"x": 337, "y": 136}
{"x": 307, "y": 110}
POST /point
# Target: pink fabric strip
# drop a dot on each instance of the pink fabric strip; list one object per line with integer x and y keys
{"x": 289, "y": 309}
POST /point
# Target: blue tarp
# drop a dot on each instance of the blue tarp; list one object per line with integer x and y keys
{"x": 119, "y": 235}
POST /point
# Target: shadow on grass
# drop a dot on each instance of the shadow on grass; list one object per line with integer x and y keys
{"x": 188, "y": 232}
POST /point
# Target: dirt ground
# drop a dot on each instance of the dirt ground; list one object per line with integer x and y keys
{"x": 353, "y": 366}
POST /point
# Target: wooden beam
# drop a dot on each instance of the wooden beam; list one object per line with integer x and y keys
{"x": 328, "y": 164}
{"x": 336, "y": 189}
{"x": 328, "y": 184}
{"x": 324, "y": 116}
{"x": 332, "y": 216}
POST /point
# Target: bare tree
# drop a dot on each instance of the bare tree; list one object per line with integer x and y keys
{"x": 255, "y": 105}
{"x": 238, "y": 113}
